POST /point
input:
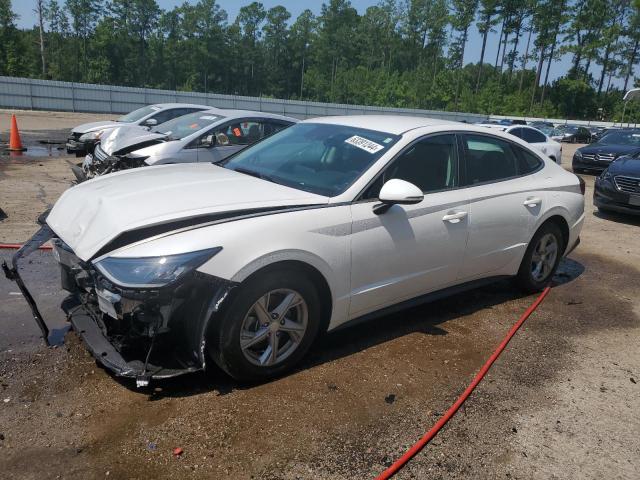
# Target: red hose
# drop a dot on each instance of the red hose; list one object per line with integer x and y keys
{"x": 402, "y": 461}
{"x": 16, "y": 246}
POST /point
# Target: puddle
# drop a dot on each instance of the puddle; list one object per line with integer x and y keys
{"x": 47, "y": 150}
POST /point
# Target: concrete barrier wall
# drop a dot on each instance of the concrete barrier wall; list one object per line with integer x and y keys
{"x": 34, "y": 94}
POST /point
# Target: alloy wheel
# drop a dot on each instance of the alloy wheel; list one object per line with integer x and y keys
{"x": 274, "y": 327}
{"x": 544, "y": 257}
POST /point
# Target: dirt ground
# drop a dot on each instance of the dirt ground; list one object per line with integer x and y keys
{"x": 562, "y": 401}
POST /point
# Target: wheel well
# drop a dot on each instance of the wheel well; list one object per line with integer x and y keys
{"x": 316, "y": 277}
{"x": 562, "y": 224}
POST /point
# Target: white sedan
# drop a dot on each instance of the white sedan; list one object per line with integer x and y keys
{"x": 329, "y": 221}
{"x": 538, "y": 140}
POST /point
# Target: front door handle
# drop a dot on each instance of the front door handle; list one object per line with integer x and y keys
{"x": 532, "y": 202}
{"x": 454, "y": 217}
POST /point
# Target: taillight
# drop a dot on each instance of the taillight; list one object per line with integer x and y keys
{"x": 583, "y": 186}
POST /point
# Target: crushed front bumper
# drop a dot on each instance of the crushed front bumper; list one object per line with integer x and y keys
{"x": 142, "y": 334}
{"x": 74, "y": 145}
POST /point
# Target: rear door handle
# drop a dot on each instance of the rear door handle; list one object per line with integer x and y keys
{"x": 454, "y": 217}
{"x": 532, "y": 202}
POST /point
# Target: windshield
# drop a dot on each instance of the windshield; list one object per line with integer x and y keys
{"x": 621, "y": 138}
{"x": 184, "y": 126}
{"x": 549, "y": 131}
{"x": 138, "y": 114}
{"x": 319, "y": 158}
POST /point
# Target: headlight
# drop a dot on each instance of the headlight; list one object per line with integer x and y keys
{"x": 91, "y": 136}
{"x": 152, "y": 271}
{"x": 578, "y": 154}
{"x": 606, "y": 175}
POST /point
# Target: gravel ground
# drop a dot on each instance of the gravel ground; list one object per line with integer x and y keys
{"x": 561, "y": 402}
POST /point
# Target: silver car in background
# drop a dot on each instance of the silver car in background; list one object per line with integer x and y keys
{"x": 83, "y": 138}
{"x": 208, "y": 136}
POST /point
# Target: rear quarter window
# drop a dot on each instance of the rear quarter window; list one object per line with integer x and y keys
{"x": 527, "y": 161}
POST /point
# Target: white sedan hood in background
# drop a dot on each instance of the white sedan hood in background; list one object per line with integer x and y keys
{"x": 91, "y": 214}
{"x": 93, "y": 126}
{"x": 128, "y": 136}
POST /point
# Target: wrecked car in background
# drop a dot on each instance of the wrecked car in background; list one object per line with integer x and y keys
{"x": 84, "y": 137}
{"x": 206, "y": 136}
{"x": 331, "y": 220}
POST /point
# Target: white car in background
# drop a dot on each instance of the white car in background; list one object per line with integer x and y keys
{"x": 84, "y": 137}
{"x": 329, "y": 221}
{"x": 204, "y": 136}
{"x": 538, "y": 140}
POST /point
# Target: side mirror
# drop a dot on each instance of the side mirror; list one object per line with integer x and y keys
{"x": 399, "y": 192}
{"x": 151, "y": 122}
{"x": 208, "y": 141}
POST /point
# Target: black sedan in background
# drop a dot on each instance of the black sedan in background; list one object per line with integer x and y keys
{"x": 575, "y": 134}
{"x": 597, "y": 156}
{"x": 601, "y": 132}
{"x": 618, "y": 188}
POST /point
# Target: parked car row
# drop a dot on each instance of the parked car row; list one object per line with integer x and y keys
{"x": 565, "y": 132}
{"x": 615, "y": 157}
{"x": 243, "y": 260}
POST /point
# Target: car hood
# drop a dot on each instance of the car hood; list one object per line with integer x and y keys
{"x": 93, "y": 126}
{"x": 610, "y": 149}
{"x": 90, "y": 215}
{"x": 128, "y": 139}
{"x": 625, "y": 166}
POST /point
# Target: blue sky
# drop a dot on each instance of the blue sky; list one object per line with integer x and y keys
{"x": 24, "y": 8}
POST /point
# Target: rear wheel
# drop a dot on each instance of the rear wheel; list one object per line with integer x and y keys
{"x": 541, "y": 258}
{"x": 269, "y": 326}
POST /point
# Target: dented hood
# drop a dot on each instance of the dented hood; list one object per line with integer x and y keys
{"x": 93, "y": 126}
{"x": 88, "y": 216}
{"x": 127, "y": 137}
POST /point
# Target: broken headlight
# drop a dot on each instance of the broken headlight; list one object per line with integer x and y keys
{"x": 152, "y": 271}
{"x": 91, "y": 136}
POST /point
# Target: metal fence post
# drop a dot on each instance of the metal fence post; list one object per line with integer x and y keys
{"x": 73, "y": 98}
{"x": 30, "y": 94}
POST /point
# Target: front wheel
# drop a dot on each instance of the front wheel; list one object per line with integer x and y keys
{"x": 541, "y": 259}
{"x": 269, "y": 326}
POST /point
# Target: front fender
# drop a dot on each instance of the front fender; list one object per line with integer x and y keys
{"x": 280, "y": 256}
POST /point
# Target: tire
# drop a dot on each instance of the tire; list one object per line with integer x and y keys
{"x": 534, "y": 278}
{"x": 80, "y": 154}
{"x": 241, "y": 317}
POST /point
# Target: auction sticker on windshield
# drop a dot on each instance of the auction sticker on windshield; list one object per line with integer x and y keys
{"x": 364, "y": 144}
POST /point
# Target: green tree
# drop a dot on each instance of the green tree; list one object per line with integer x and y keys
{"x": 84, "y": 16}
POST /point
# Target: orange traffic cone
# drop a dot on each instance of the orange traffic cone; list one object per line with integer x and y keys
{"x": 15, "y": 144}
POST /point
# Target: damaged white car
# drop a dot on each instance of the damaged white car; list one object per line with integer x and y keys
{"x": 331, "y": 220}
{"x": 205, "y": 136}
{"x": 84, "y": 137}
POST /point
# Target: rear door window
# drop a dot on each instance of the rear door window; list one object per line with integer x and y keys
{"x": 530, "y": 135}
{"x": 516, "y": 132}
{"x": 488, "y": 159}
{"x": 527, "y": 161}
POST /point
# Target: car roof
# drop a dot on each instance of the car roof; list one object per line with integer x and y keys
{"x": 165, "y": 106}
{"x": 495, "y": 126}
{"x": 394, "y": 124}
{"x": 231, "y": 113}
